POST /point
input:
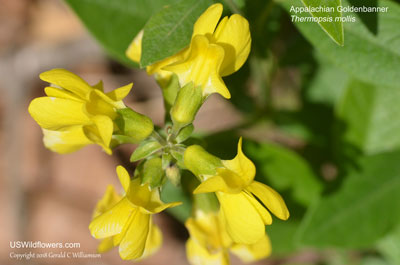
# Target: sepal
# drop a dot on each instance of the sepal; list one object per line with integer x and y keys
{"x": 186, "y": 105}
{"x": 169, "y": 90}
{"x": 152, "y": 172}
{"x": 166, "y": 160}
{"x": 177, "y": 153}
{"x": 200, "y": 162}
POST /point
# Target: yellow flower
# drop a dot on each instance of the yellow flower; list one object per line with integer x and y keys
{"x": 216, "y": 50}
{"x": 75, "y": 114}
{"x": 209, "y": 243}
{"x": 243, "y": 201}
{"x": 128, "y": 223}
{"x": 169, "y": 84}
{"x": 134, "y": 52}
{"x": 109, "y": 199}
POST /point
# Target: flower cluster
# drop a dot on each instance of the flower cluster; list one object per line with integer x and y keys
{"x": 244, "y": 202}
{"x": 126, "y": 221}
{"x": 75, "y": 114}
{"x": 230, "y": 208}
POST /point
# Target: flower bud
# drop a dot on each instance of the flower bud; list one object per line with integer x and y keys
{"x": 133, "y": 124}
{"x": 169, "y": 90}
{"x": 185, "y": 133}
{"x": 174, "y": 175}
{"x": 187, "y": 103}
{"x": 200, "y": 162}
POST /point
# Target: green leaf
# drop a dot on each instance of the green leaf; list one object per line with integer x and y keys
{"x": 115, "y": 23}
{"x": 334, "y": 29}
{"x": 145, "y": 149}
{"x": 284, "y": 169}
{"x": 365, "y": 208}
{"x": 170, "y": 30}
{"x": 367, "y": 113}
{"x": 372, "y": 50}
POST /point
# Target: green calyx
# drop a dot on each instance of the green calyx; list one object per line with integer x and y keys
{"x": 133, "y": 125}
{"x": 200, "y": 162}
{"x": 169, "y": 90}
{"x": 152, "y": 172}
{"x": 163, "y": 152}
{"x": 187, "y": 103}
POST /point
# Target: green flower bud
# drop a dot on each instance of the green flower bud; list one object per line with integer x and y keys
{"x": 187, "y": 103}
{"x": 200, "y": 162}
{"x": 185, "y": 133}
{"x": 169, "y": 91}
{"x": 133, "y": 124}
{"x": 174, "y": 175}
{"x": 152, "y": 172}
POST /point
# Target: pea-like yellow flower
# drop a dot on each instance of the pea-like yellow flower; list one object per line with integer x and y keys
{"x": 109, "y": 199}
{"x": 243, "y": 201}
{"x": 75, "y": 114}
{"x": 169, "y": 84}
{"x": 209, "y": 243}
{"x": 216, "y": 50}
{"x": 134, "y": 52}
{"x": 128, "y": 223}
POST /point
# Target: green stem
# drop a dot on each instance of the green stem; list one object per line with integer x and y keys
{"x": 157, "y": 137}
{"x": 174, "y": 132}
